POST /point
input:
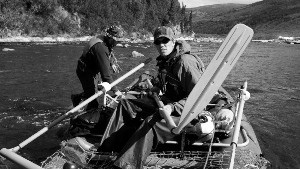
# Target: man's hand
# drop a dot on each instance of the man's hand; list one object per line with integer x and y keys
{"x": 116, "y": 68}
{"x": 166, "y": 109}
{"x": 143, "y": 85}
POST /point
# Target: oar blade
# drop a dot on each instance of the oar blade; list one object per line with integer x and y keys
{"x": 218, "y": 69}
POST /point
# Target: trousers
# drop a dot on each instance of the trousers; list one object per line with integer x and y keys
{"x": 134, "y": 130}
{"x": 88, "y": 86}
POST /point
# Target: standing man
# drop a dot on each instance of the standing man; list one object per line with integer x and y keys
{"x": 97, "y": 59}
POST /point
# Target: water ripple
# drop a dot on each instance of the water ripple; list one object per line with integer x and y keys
{"x": 30, "y": 111}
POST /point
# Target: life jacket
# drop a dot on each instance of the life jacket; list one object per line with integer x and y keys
{"x": 85, "y": 62}
{"x": 90, "y": 44}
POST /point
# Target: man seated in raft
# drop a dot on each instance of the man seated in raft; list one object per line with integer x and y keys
{"x": 135, "y": 127}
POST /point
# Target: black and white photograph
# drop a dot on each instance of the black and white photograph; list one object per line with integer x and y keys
{"x": 149, "y": 84}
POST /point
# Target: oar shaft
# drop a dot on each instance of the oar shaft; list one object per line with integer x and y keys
{"x": 232, "y": 156}
{"x": 240, "y": 113}
{"x": 55, "y": 122}
{"x": 75, "y": 109}
{"x": 242, "y": 98}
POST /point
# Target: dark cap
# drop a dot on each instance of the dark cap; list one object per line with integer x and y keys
{"x": 164, "y": 31}
{"x": 115, "y": 31}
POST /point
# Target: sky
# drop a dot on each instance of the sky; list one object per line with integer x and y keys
{"x": 196, "y": 3}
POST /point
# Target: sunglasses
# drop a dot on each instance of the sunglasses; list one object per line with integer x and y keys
{"x": 162, "y": 41}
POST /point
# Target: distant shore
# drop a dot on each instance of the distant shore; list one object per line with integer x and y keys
{"x": 24, "y": 39}
{"x": 49, "y": 39}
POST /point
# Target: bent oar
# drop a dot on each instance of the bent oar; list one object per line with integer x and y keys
{"x": 218, "y": 69}
{"x": 243, "y": 96}
{"x": 107, "y": 87}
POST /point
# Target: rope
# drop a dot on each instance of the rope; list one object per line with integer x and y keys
{"x": 209, "y": 150}
{"x": 182, "y": 144}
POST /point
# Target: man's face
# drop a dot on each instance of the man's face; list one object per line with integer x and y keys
{"x": 110, "y": 42}
{"x": 164, "y": 46}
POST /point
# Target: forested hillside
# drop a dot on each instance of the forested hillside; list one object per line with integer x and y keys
{"x": 209, "y": 12}
{"x": 268, "y": 18}
{"x": 88, "y": 17}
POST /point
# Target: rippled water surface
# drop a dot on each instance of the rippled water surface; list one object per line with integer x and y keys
{"x": 36, "y": 82}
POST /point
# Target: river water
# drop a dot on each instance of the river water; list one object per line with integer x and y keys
{"x": 36, "y": 82}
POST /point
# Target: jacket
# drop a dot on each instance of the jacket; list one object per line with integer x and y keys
{"x": 178, "y": 74}
{"x": 95, "y": 59}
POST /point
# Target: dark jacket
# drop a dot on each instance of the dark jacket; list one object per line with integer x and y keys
{"x": 178, "y": 74}
{"x": 95, "y": 59}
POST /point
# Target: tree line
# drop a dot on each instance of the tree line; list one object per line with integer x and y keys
{"x": 88, "y": 17}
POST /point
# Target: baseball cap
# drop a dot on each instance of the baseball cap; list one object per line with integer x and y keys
{"x": 164, "y": 31}
{"x": 115, "y": 31}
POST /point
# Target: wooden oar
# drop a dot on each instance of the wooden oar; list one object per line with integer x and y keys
{"x": 209, "y": 83}
{"x": 106, "y": 87}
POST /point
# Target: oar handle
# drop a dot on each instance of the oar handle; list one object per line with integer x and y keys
{"x": 170, "y": 122}
{"x": 17, "y": 159}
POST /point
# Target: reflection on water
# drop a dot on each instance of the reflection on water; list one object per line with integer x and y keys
{"x": 37, "y": 81}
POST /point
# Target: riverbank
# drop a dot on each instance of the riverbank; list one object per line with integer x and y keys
{"x": 53, "y": 39}
{"x": 24, "y": 39}
{"x": 66, "y": 39}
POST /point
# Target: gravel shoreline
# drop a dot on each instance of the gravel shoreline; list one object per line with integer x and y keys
{"x": 24, "y": 39}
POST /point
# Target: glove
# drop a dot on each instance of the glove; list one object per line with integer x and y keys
{"x": 143, "y": 85}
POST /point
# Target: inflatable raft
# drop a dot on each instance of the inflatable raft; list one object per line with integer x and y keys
{"x": 224, "y": 150}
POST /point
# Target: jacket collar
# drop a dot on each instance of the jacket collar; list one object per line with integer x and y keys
{"x": 181, "y": 47}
